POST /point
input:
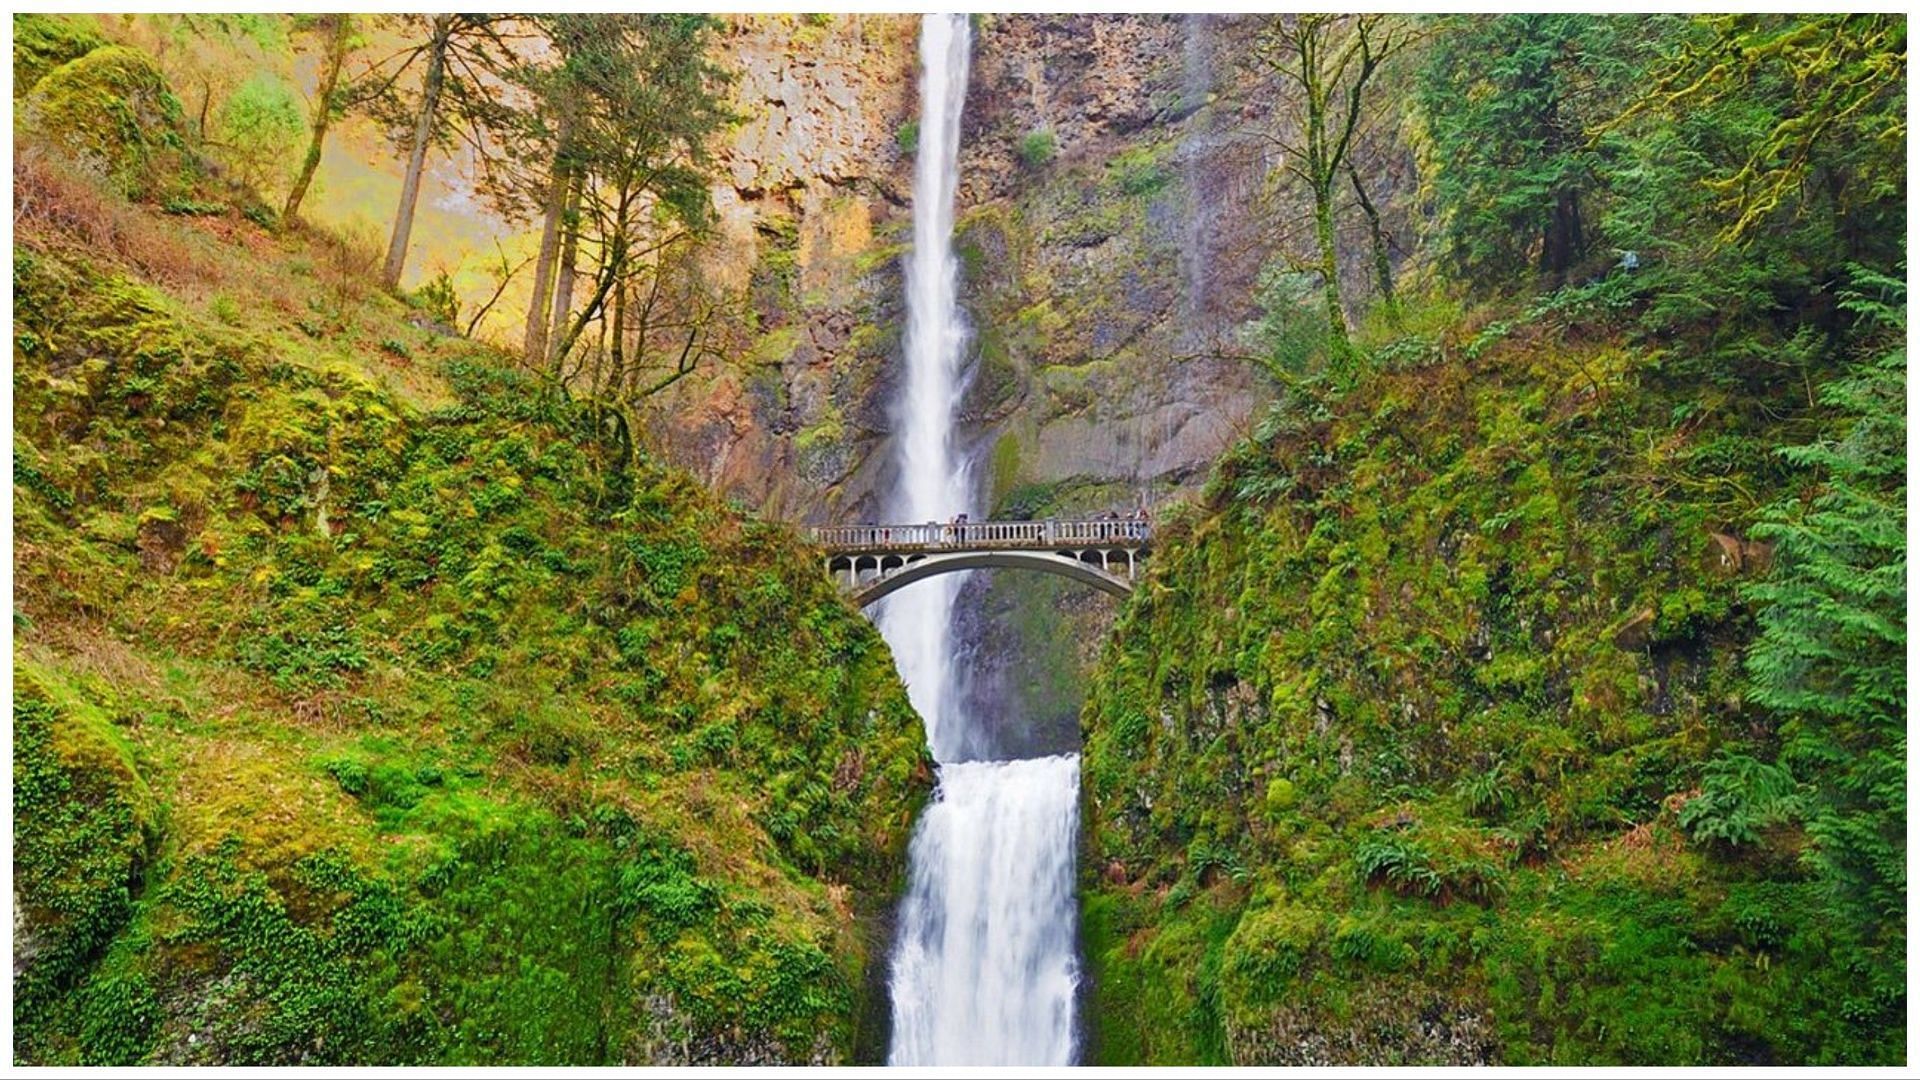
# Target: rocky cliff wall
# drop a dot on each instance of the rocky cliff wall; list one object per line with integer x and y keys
{"x": 1118, "y": 204}
{"x": 813, "y": 203}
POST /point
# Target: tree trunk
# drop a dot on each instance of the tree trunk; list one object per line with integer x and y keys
{"x": 1382, "y": 264}
{"x": 611, "y": 269}
{"x": 341, "y": 30}
{"x": 417, "y": 160}
{"x": 1563, "y": 240}
{"x": 1340, "y": 344}
{"x": 617, "y": 370}
{"x": 569, "y": 267}
{"x": 538, "y": 311}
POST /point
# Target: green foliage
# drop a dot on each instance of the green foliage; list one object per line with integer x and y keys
{"x": 907, "y": 137}
{"x": 1508, "y": 98}
{"x": 258, "y": 128}
{"x": 1738, "y": 798}
{"x": 1570, "y": 140}
{"x": 1821, "y": 92}
{"x": 1831, "y": 656}
{"x": 1140, "y": 173}
{"x": 81, "y": 822}
{"x": 1036, "y": 148}
{"x": 299, "y": 985}
{"x": 1412, "y": 868}
{"x": 44, "y": 42}
{"x": 437, "y": 299}
{"x": 1291, "y": 334}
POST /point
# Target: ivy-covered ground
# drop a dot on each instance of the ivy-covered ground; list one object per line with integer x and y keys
{"x": 368, "y": 709}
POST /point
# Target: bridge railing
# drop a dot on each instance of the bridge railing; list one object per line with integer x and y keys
{"x": 1113, "y": 532}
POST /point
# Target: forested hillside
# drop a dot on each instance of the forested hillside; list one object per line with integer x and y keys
{"x": 1530, "y": 686}
{"x": 375, "y": 702}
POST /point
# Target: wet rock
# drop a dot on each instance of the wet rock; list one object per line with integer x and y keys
{"x": 1730, "y": 556}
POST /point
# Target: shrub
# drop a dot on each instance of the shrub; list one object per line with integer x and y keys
{"x": 1447, "y": 866}
{"x": 1739, "y": 797}
{"x": 1036, "y": 148}
{"x": 436, "y": 299}
{"x": 907, "y": 137}
{"x": 1290, "y": 337}
{"x": 1138, "y": 172}
{"x": 1831, "y": 655}
{"x": 258, "y": 129}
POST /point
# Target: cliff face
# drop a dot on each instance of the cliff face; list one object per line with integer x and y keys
{"x": 813, "y": 207}
{"x": 1108, "y": 233}
{"x": 1113, "y": 225}
{"x": 1086, "y": 139}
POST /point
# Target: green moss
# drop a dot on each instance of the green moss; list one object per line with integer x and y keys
{"x": 478, "y": 744}
{"x": 1036, "y": 148}
{"x": 829, "y": 430}
{"x": 44, "y": 42}
{"x": 1006, "y": 466}
{"x": 1374, "y": 700}
{"x": 1138, "y": 172}
{"x": 84, "y": 831}
{"x": 112, "y": 105}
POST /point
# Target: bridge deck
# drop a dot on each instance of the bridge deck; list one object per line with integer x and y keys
{"x": 1133, "y": 533}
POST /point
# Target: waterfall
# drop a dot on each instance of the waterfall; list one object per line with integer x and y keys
{"x": 934, "y": 484}
{"x": 984, "y": 968}
{"x": 984, "y": 972}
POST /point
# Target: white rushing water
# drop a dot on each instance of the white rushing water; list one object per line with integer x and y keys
{"x": 984, "y": 967}
{"x": 933, "y": 484}
{"x": 984, "y": 972}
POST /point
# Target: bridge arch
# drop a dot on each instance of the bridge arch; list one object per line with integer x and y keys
{"x": 1087, "y": 571}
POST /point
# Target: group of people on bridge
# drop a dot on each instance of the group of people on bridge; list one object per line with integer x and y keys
{"x": 959, "y": 531}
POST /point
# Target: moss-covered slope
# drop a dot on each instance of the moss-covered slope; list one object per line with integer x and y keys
{"x": 368, "y": 710}
{"x": 1389, "y": 760}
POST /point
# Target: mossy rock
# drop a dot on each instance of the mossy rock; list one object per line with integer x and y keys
{"x": 111, "y": 106}
{"x": 83, "y": 831}
{"x": 44, "y": 42}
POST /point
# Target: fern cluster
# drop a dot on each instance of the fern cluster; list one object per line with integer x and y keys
{"x": 1830, "y": 659}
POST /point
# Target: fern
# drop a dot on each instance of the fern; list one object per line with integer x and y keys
{"x": 1740, "y": 796}
{"x": 1830, "y": 658}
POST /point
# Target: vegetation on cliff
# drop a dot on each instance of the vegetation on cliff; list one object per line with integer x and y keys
{"x": 372, "y": 706}
{"x": 1530, "y": 686}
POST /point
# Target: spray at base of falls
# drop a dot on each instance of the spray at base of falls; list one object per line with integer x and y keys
{"x": 984, "y": 969}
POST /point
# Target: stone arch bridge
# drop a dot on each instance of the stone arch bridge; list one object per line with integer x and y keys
{"x": 871, "y": 561}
